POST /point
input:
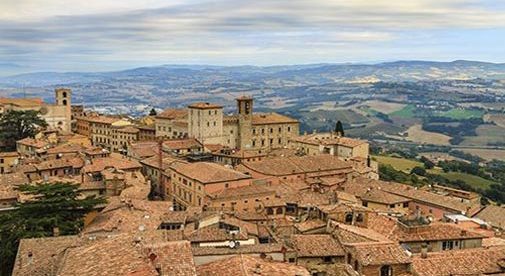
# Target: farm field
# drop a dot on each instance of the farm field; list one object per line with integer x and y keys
{"x": 460, "y": 113}
{"x": 487, "y": 135}
{"x": 488, "y": 154}
{"x": 406, "y": 112}
{"x": 498, "y": 119}
{"x": 384, "y": 107}
{"x": 401, "y": 164}
{"x": 418, "y": 135}
{"x": 475, "y": 181}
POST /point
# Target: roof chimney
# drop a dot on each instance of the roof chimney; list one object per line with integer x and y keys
{"x": 424, "y": 251}
{"x": 56, "y": 231}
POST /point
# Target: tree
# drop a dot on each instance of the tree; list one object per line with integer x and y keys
{"x": 17, "y": 125}
{"x": 339, "y": 129}
{"x": 152, "y": 112}
{"x": 51, "y": 206}
{"x": 418, "y": 171}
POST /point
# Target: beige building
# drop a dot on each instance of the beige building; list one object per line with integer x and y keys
{"x": 191, "y": 182}
{"x": 245, "y": 130}
{"x": 172, "y": 123}
{"x": 57, "y": 115}
{"x": 330, "y": 143}
{"x": 7, "y": 161}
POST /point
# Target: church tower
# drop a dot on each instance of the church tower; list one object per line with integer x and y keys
{"x": 245, "y": 113}
{"x": 64, "y": 104}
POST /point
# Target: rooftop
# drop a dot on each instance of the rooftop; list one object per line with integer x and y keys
{"x": 205, "y": 105}
{"x": 173, "y": 113}
{"x": 316, "y": 245}
{"x": 296, "y": 164}
{"x": 271, "y": 118}
{"x": 245, "y": 265}
{"x": 379, "y": 253}
{"x": 477, "y": 261}
{"x": 205, "y": 172}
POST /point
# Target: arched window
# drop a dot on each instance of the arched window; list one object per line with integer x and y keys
{"x": 64, "y": 94}
{"x": 279, "y": 210}
{"x": 386, "y": 270}
{"x": 64, "y": 102}
{"x": 359, "y": 217}
{"x": 270, "y": 211}
{"x": 356, "y": 265}
{"x": 349, "y": 258}
{"x": 348, "y": 218}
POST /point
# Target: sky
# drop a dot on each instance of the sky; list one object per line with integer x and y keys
{"x": 104, "y": 35}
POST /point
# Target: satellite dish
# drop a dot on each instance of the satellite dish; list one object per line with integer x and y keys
{"x": 142, "y": 228}
{"x": 232, "y": 244}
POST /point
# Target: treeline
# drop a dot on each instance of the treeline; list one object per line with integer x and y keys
{"x": 457, "y": 129}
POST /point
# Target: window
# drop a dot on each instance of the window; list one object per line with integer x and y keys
{"x": 365, "y": 203}
{"x": 359, "y": 218}
{"x": 270, "y": 211}
{"x": 348, "y": 218}
{"x": 391, "y": 206}
{"x": 289, "y": 129}
{"x": 405, "y": 205}
{"x": 327, "y": 259}
{"x": 291, "y": 260}
{"x": 447, "y": 245}
{"x": 386, "y": 270}
{"x": 280, "y": 129}
{"x": 271, "y": 130}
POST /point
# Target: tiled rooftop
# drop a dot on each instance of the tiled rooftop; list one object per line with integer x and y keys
{"x": 316, "y": 245}
{"x": 205, "y": 172}
{"x": 244, "y": 265}
{"x": 477, "y": 261}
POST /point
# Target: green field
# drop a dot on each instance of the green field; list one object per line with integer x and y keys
{"x": 400, "y": 164}
{"x": 406, "y": 112}
{"x": 461, "y": 114}
{"x": 476, "y": 181}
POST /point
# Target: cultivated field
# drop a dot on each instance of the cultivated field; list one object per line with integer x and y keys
{"x": 487, "y": 135}
{"x": 498, "y": 119}
{"x": 384, "y": 107}
{"x": 488, "y": 154}
{"x": 400, "y": 164}
{"x": 475, "y": 181}
{"x": 418, "y": 135}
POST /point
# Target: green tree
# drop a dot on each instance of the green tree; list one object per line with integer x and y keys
{"x": 152, "y": 112}
{"x": 51, "y": 205}
{"x": 339, "y": 129}
{"x": 17, "y": 125}
{"x": 418, "y": 171}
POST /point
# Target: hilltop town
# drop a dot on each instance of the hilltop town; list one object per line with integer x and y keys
{"x": 200, "y": 191}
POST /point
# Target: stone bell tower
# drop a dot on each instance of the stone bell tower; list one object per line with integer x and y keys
{"x": 64, "y": 103}
{"x": 245, "y": 112}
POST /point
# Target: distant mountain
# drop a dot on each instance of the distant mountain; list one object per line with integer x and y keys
{"x": 161, "y": 84}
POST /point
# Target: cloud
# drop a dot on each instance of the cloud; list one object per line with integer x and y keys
{"x": 55, "y": 34}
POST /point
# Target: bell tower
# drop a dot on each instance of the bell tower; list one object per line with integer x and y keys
{"x": 245, "y": 113}
{"x": 64, "y": 103}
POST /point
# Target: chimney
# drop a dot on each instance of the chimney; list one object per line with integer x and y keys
{"x": 56, "y": 231}
{"x": 463, "y": 232}
{"x": 424, "y": 251}
{"x": 30, "y": 257}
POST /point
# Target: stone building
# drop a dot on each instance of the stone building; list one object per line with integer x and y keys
{"x": 57, "y": 115}
{"x": 245, "y": 130}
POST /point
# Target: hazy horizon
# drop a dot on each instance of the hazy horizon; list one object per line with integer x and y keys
{"x": 98, "y": 35}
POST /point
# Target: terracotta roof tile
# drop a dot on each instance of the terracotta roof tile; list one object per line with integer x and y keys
{"x": 186, "y": 143}
{"x": 206, "y": 172}
{"x": 492, "y": 214}
{"x": 316, "y": 245}
{"x": 477, "y": 261}
{"x": 204, "y": 105}
{"x": 173, "y": 113}
{"x": 100, "y": 164}
{"x": 271, "y": 118}
{"x": 379, "y": 253}
{"x": 244, "y": 265}
{"x": 296, "y": 165}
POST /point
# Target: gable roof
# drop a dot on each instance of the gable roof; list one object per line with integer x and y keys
{"x": 318, "y": 245}
{"x": 244, "y": 265}
{"x": 205, "y": 172}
